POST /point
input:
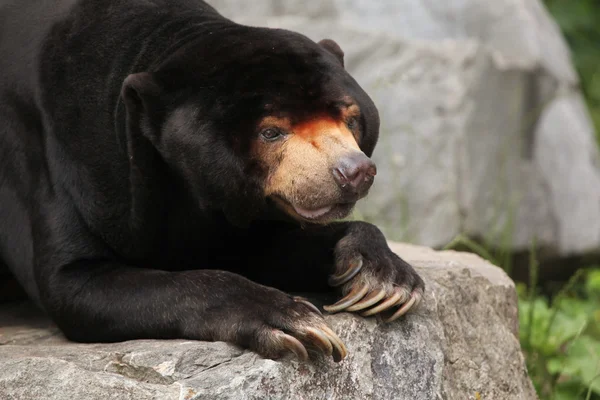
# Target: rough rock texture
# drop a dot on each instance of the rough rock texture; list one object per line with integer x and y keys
{"x": 484, "y": 130}
{"x": 460, "y": 342}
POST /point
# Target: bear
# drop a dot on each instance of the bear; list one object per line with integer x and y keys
{"x": 168, "y": 173}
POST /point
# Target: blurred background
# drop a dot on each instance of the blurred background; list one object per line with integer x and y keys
{"x": 490, "y": 121}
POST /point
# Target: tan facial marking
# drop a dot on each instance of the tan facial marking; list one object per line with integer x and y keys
{"x": 319, "y": 128}
{"x": 302, "y": 174}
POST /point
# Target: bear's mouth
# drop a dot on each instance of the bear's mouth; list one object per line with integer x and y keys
{"x": 314, "y": 213}
{"x": 321, "y": 214}
{"x": 324, "y": 214}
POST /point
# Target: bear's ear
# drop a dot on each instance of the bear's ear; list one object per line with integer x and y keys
{"x": 141, "y": 94}
{"x": 334, "y": 48}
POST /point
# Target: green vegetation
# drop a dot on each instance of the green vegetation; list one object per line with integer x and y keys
{"x": 579, "y": 21}
{"x": 561, "y": 338}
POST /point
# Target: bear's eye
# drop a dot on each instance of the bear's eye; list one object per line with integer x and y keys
{"x": 352, "y": 123}
{"x": 271, "y": 134}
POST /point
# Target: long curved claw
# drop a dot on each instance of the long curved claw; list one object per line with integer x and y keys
{"x": 402, "y": 310}
{"x": 389, "y": 302}
{"x": 355, "y": 295}
{"x": 294, "y": 345}
{"x": 368, "y": 301}
{"x": 418, "y": 295}
{"x": 337, "y": 280}
{"x": 308, "y": 304}
{"x": 320, "y": 340}
{"x": 339, "y": 349}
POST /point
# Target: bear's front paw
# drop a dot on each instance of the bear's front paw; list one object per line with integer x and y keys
{"x": 372, "y": 277}
{"x": 277, "y": 323}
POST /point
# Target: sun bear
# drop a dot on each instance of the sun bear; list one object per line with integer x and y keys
{"x": 168, "y": 173}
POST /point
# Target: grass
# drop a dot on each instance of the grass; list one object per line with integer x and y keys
{"x": 561, "y": 339}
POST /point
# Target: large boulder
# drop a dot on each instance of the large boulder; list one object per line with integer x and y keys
{"x": 484, "y": 130}
{"x": 460, "y": 343}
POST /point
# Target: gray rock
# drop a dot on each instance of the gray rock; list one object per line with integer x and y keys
{"x": 483, "y": 127}
{"x": 461, "y": 340}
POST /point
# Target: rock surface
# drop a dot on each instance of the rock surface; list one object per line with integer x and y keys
{"x": 484, "y": 131}
{"x": 461, "y": 343}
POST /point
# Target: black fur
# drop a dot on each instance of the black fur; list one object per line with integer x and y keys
{"x": 129, "y": 205}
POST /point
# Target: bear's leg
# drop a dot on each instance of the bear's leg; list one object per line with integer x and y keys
{"x": 104, "y": 301}
{"x": 352, "y": 256}
{"x": 94, "y": 295}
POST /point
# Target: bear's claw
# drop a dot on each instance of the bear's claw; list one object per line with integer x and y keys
{"x": 307, "y": 303}
{"x": 372, "y": 298}
{"x": 321, "y": 338}
{"x": 306, "y": 333}
{"x": 339, "y": 349}
{"x": 355, "y": 267}
{"x": 391, "y": 301}
{"x": 355, "y": 295}
{"x": 358, "y": 299}
{"x": 326, "y": 340}
{"x": 414, "y": 298}
{"x": 292, "y": 344}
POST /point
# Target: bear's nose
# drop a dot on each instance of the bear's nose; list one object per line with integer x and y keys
{"x": 355, "y": 172}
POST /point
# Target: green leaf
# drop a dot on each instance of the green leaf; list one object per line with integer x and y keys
{"x": 583, "y": 361}
{"x": 592, "y": 284}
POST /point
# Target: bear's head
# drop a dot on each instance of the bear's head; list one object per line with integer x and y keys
{"x": 254, "y": 118}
